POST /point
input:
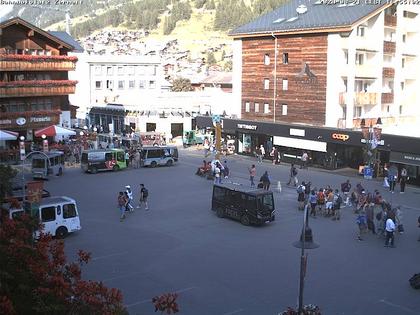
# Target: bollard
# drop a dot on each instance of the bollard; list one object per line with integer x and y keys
{"x": 279, "y": 186}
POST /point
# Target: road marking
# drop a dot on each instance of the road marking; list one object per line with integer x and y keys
{"x": 406, "y": 309}
{"x": 235, "y": 312}
{"x": 110, "y": 255}
{"x": 150, "y": 300}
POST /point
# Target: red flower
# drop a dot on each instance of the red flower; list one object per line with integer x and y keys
{"x": 39, "y": 83}
{"x": 36, "y": 58}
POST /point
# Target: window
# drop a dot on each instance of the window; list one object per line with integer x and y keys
{"x": 155, "y": 153}
{"x": 98, "y": 85}
{"x": 142, "y": 84}
{"x": 109, "y": 84}
{"x": 247, "y": 107}
{"x": 257, "y": 107}
{"x": 266, "y": 59}
{"x": 218, "y": 193}
{"x": 120, "y": 156}
{"x": 69, "y": 211}
{"x": 98, "y": 70}
{"x": 120, "y": 70}
{"x": 346, "y": 56}
{"x": 109, "y": 71}
{"x": 131, "y": 84}
{"x": 266, "y": 84}
{"x": 285, "y": 58}
{"x": 266, "y": 108}
{"x": 152, "y": 84}
{"x": 357, "y": 111}
{"x": 402, "y": 86}
{"x": 130, "y": 70}
{"x": 359, "y": 59}
{"x": 120, "y": 85}
{"x": 285, "y": 84}
{"x": 361, "y": 31}
{"x": 402, "y": 63}
{"x": 400, "y": 109}
{"x": 284, "y": 109}
{"x": 404, "y": 37}
{"x": 48, "y": 214}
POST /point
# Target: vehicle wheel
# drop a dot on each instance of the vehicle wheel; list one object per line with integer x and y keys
{"x": 61, "y": 232}
{"x": 94, "y": 170}
{"x": 220, "y": 212}
{"x": 115, "y": 168}
{"x": 245, "y": 220}
{"x": 153, "y": 164}
{"x": 194, "y": 142}
{"x": 169, "y": 163}
{"x": 60, "y": 171}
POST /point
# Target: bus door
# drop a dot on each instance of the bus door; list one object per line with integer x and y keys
{"x": 49, "y": 218}
{"x": 120, "y": 159}
{"x": 70, "y": 217}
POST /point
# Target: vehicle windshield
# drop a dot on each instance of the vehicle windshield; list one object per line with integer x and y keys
{"x": 38, "y": 163}
{"x": 265, "y": 202}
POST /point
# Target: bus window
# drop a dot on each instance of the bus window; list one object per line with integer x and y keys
{"x": 120, "y": 156}
{"x": 69, "y": 211}
{"x": 58, "y": 210}
{"x": 51, "y": 161}
{"x": 38, "y": 163}
{"x": 48, "y": 214}
{"x": 108, "y": 156}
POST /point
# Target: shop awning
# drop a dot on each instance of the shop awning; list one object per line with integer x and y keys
{"x": 300, "y": 144}
{"x": 53, "y": 131}
{"x": 8, "y": 135}
{"x": 405, "y": 158}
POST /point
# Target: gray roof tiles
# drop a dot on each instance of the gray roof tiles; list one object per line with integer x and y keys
{"x": 65, "y": 37}
{"x": 318, "y": 16}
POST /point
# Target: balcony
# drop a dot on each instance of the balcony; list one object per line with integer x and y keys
{"x": 37, "y": 63}
{"x": 367, "y": 71}
{"x": 342, "y": 98}
{"x": 390, "y": 20}
{"x": 387, "y": 98}
{"x": 364, "y": 98}
{"x": 37, "y": 88}
{"x": 389, "y": 47}
{"x": 388, "y": 72}
{"x": 387, "y": 121}
{"x": 409, "y": 73}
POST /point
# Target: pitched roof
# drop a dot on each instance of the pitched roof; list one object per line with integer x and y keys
{"x": 218, "y": 78}
{"x": 18, "y": 20}
{"x": 319, "y": 17}
{"x": 66, "y": 37}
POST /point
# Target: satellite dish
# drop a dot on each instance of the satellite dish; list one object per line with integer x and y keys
{"x": 301, "y": 9}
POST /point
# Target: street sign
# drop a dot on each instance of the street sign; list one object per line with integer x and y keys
{"x": 368, "y": 172}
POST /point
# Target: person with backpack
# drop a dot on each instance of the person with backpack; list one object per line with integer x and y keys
{"x": 121, "y": 205}
{"x": 345, "y": 189}
{"x": 265, "y": 179}
{"x": 293, "y": 175}
{"x": 301, "y": 196}
{"x": 338, "y": 200}
{"x": 313, "y": 203}
{"x": 403, "y": 179}
{"x": 129, "y": 195}
{"x": 320, "y": 200}
{"x": 144, "y": 194}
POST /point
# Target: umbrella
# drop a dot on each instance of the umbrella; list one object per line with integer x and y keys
{"x": 53, "y": 131}
{"x": 8, "y": 135}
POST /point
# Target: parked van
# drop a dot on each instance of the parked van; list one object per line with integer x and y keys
{"x": 154, "y": 156}
{"x": 59, "y": 215}
{"x": 103, "y": 160}
{"x": 48, "y": 163}
{"x": 247, "y": 205}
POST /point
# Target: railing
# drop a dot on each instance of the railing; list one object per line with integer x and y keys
{"x": 342, "y": 98}
{"x": 390, "y": 20}
{"x": 389, "y": 47}
{"x": 341, "y": 123}
{"x": 37, "y": 88}
{"x": 363, "y": 98}
{"x": 387, "y": 98}
{"x": 37, "y": 63}
{"x": 388, "y": 72}
{"x": 386, "y": 121}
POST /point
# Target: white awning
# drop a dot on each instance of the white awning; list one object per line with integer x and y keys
{"x": 300, "y": 144}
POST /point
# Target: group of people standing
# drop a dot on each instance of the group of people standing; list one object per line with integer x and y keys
{"x": 125, "y": 199}
{"x": 392, "y": 176}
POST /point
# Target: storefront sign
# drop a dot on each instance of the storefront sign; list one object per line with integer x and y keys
{"x": 297, "y": 132}
{"x": 40, "y": 119}
{"x": 405, "y": 158}
{"x": 20, "y": 121}
{"x": 382, "y": 142}
{"x": 245, "y": 126}
{"x": 340, "y": 136}
{"x": 5, "y": 122}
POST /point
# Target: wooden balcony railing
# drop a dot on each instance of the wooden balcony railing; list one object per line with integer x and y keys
{"x": 388, "y": 72}
{"x": 363, "y": 98}
{"x": 37, "y": 88}
{"x": 390, "y": 20}
{"x": 37, "y": 63}
{"x": 387, "y": 98}
{"x": 389, "y": 47}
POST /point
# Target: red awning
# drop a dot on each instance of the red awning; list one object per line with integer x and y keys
{"x": 53, "y": 131}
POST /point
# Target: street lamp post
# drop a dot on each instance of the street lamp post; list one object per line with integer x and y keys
{"x": 305, "y": 242}
{"x": 372, "y": 135}
{"x": 44, "y": 143}
{"x": 95, "y": 130}
{"x": 22, "y": 158}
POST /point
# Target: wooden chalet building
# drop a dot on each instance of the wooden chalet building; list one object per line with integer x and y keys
{"x": 34, "y": 84}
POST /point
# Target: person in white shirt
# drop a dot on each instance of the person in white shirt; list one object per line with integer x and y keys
{"x": 389, "y": 228}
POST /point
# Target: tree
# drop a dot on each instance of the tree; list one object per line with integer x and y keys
{"x": 37, "y": 279}
{"x": 200, "y": 3}
{"x": 211, "y": 60}
{"x": 7, "y": 173}
{"x": 210, "y": 5}
{"x": 228, "y": 66}
{"x": 181, "y": 85}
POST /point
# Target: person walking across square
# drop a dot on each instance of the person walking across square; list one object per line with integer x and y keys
{"x": 121, "y": 205}
{"x": 252, "y": 173}
{"x": 403, "y": 179}
{"x": 144, "y": 194}
{"x": 389, "y": 229}
{"x": 293, "y": 175}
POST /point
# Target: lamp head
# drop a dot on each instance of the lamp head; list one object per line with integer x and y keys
{"x": 22, "y": 138}
{"x": 309, "y": 241}
{"x": 43, "y": 136}
{"x": 81, "y": 133}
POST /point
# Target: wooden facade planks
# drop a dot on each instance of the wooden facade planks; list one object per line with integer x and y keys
{"x": 305, "y": 96}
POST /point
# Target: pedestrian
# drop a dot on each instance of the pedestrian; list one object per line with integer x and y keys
{"x": 389, "y": 229}
{"x": 320, "y": 200}
{"x": 345, "y": 189}
{"x": 121, "y": 205}
{"x": 217, "y": 175}
{"x": 370, "y": 217}
{"x": 144, "y": 194}
{"x": 386, "y": 183}
{"x": 293, "y": 175}
{"x": 127, "y": 158}
{"x": 225, "y": 170}
{"x": 361, "y": 223}
{"x": 262, "y": 153}
{"x": 399, "y": 220}
{"x": 137, "y": 159}
{"x": 392, "y": 177}
{"x": 301, "y": 196}
{"x": 252, "y": 173}
{"x": 307, "y": 190}
{"x": 272, "y": 155}
{"x": 338, "y": 200}
{"x": 330, "y": 203}
{"x": 403, "y": 179}
{"x": 313, "y": 201}
{"x": 304, "y": 159}
{"x": 129, "y": 196}
{"x": 265, "y": 179}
